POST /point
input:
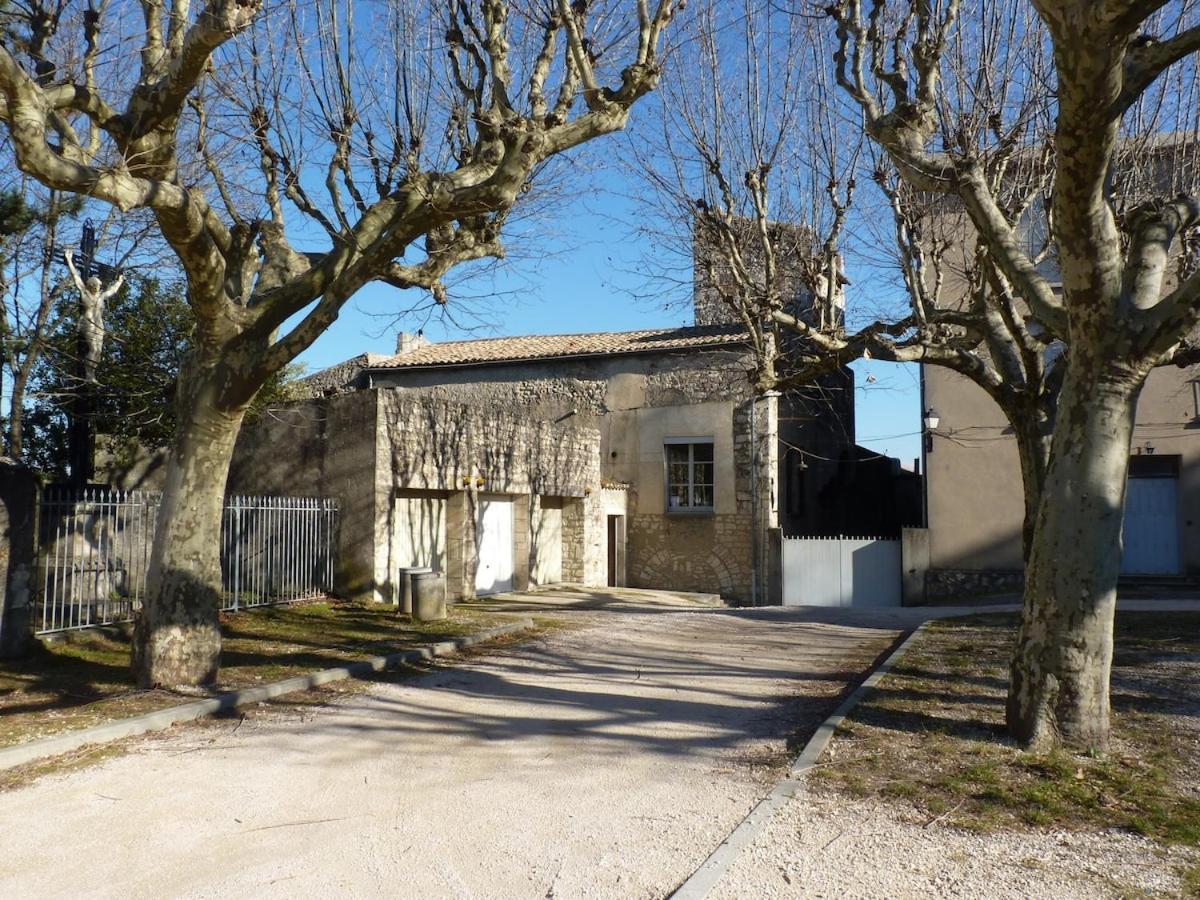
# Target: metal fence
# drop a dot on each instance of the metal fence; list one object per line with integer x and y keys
{"x": 94, "y": 553}
{"x": 841, "y": 571}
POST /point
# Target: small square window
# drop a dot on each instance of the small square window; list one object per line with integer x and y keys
{"x": 690, "y": 476}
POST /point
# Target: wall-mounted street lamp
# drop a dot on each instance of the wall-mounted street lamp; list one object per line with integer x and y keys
{"x": 930, "y": 420}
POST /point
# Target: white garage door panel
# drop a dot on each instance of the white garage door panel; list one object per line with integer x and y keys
{"x": 494, "y": 535}
{"x": 547, "y": 543}
{"x": 1151, "y": 527}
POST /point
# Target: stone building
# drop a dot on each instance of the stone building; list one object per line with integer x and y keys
{"x": 622, "y": 459}
{"x": 638, "y": 458}
{"x": 635, "y": 458}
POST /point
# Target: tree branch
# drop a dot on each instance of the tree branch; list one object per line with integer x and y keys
{"x": 1149, "y": 58}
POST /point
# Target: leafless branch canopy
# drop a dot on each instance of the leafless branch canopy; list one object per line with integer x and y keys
{"x": 393, "y": 137}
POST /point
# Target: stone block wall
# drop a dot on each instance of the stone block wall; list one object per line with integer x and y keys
{"x": 946, "y": 584}
{"x": 708, "y": 554}
{"x": 362, "y": 447}
{"x": 319, "y": 448}
{"x": 573, "y": 539}
{"x": 423, "y": 443}
{"x": 18, "y": 514}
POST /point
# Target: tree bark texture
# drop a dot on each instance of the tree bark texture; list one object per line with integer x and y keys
{"x": 1059, "y": 691}
{"x": 177, "y": 637}
{"x": 1033, "y": 451}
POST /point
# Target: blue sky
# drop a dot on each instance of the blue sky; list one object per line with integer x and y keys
{"x": 588, "y": 275}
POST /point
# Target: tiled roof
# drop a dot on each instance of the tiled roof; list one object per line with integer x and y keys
{"x": 549, "y": 346}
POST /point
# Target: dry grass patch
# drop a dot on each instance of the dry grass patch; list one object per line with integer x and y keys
{"x": 84, "y": 680}
{"x": 932, "y": 736}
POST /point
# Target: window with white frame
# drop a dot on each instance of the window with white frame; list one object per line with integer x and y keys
{"x": 689, "y": 474}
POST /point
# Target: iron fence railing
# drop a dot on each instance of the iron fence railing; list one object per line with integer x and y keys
{"x": 94, "y": 553}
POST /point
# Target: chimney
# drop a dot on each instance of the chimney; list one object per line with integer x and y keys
{"x": 406, "y": 343}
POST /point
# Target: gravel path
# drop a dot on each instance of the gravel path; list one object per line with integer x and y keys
{"x": 825, "y": 847}
{"x": 601, "y": 762}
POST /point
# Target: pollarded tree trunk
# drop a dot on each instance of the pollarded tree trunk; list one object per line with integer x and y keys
{"x": 1059, "y": 692}
{"x": 1033, "y": 452}
{"x": 177, "y": 640}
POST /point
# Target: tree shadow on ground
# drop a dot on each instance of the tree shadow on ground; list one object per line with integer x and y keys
{"x": 668, "y": 697}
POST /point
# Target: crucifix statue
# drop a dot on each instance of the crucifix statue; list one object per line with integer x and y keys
{"x": 92, "y": 297}
{"x": 88, "y": 275}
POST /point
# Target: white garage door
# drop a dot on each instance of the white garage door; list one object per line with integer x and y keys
{"x": 1151, "y": 528}
{"x": 494, "y": 538}
{"x": 547, "y": 543}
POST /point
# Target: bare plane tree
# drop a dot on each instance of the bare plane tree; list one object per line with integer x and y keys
{"x": 942, "y": 124}
{"x": 757, "y": 161}
{"x": 396, "y": 136}
{"x": 1039, "y": 163}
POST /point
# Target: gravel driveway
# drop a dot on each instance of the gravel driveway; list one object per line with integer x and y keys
{"x": 605, "y": 761}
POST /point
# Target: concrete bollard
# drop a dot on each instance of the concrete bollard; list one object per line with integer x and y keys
{"x": 429, "y": 596}
{"x": 405, "y": 600}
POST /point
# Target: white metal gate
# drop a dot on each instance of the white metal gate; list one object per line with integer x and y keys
{"x": 841, "y": 571}
{"x": 494, "y": 570}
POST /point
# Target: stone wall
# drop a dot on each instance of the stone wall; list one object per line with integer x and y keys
{"x": 946, "y": 584}
{"x": 319, "y": 448}
{"x": 573, "y": 539}
{"x": 793, "y": 245}
{"x": 608, "y": 393}
{"x": 431, "y": 444}
{"x": 18, "y": 513}
{"x": 709, "y": 554}
{"x": 360, "y": 448}
{"x": 424, "y": 443}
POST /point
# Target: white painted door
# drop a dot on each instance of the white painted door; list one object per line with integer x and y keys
{"x": 495, "y": 546}
{"x": 547, "y": 546}
{"x": 1151, "y": 527}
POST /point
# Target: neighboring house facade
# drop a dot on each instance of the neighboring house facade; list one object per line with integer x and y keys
{"x": 974, "y": 497}
{"x": 975, "y": 502}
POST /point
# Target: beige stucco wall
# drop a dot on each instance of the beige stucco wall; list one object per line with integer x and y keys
{"x": 1169, "y": 420}
{"x": 975, "y": 503}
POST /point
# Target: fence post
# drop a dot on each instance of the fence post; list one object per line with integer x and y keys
{"x": 18, "y": 512}
{"x": 237, "y": 551}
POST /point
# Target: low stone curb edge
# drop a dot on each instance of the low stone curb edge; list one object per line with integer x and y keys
{"x": 704, "y": 879}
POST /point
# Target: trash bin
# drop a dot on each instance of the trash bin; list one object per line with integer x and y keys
{"x": 429, "y": 596}
{"x": 405, "y": 601}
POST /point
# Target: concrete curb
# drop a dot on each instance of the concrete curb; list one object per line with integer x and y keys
{"x": 188, "y": 712}
{"x": 704, "y": 879}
